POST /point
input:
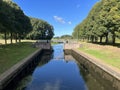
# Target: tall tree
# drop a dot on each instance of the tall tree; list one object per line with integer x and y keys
{"x": 13, "y": 20}
{"x": 41, "y": 29}
{"x": 5, "y": 18}
{"x": 103, "y": 19}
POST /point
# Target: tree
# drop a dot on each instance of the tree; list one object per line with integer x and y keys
{"x": 103, "y": 19}
{"x": 5, "y": 18}
{"x": 66, "y": 37}
{"x": 41, "y": 29}
{"x": 13, "y": 21}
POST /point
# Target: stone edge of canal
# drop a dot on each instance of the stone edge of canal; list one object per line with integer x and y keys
{"x": 104, "y": 72}
{"x": 19, "y": 70}
{"x": 23, "y": 67}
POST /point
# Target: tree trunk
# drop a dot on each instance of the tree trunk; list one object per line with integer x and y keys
{"x": 96, "y": 39}
{"x": 101, "y": 39}
{"x": 88, "y": 38}
{"x": 19, "y": 38}
{"x": 11, "y": 37}
{"x": 16, "y": 37}
{"x": 83, "y": 39}
{"x": 113, "y": 37}
{"x": 92, "y": 39}
{"x": 106, "y": 41}
{"x": 5, "y": 38}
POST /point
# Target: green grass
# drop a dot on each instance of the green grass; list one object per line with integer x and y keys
{"x": 12, "y": 54}
{"x": 106, "y": 56}
{"x": 54, "y": 43}
{"x": 8, "y": 41}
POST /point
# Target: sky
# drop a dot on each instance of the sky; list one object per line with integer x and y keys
{"x": 63, "y": 15}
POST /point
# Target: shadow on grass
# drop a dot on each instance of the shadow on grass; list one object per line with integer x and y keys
{"x": 103, "y": 43}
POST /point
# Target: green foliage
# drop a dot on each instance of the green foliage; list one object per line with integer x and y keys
{"x": 57, "y": 37}
{"x": 103, "y": 19}
{"x": 13, "y": 21}
{"x": 15, "y": 24}
{"x": 66, "y": 37}
{"x": 63, "y": 37}
{"x": 41, "y": 30}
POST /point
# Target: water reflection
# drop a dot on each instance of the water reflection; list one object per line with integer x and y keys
{"x": 28, "y": 78}
{"x": 91, "y": 82}
{"x": 55, "y": 74}
{"x": 58, "y": 74}
{"x": 94, "y": 81}
{"x": 61, "y": 72}
{"x": 58, "y": 52}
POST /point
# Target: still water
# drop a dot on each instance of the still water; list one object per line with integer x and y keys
{"x": 59, "y": 73}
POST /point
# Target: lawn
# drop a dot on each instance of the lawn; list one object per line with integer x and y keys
{"x": 54, "y": 43}
{"x": 12, "y": 54}
{"x": 107, "y": 54}
{"x": 8, "y": 41}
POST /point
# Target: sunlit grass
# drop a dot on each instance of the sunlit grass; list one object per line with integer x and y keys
{"x": 12, "y": 54}
{"x": 8, "y": 41}
{"x": 109, "y": 55}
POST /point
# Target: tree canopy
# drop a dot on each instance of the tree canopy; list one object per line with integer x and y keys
{"x": 66, "y": 37}
{"x": 13, "y": 21}
{"x": 15, "y": 24}
{"x": 102, "y": 21}
{"x": 41, "y": 29}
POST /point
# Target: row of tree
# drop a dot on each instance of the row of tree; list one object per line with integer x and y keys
{"x": 64, "y": 37}
{"x": 41, "y": 30}
{"x": 17, "y": 25}
{"x": 102, "y": 21}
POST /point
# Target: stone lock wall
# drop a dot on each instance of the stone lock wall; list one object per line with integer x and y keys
{"x": 15, "y": 73}
{"x": 105, "y": 75}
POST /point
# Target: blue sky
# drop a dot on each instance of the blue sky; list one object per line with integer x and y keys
{"x": 64, "y": 15}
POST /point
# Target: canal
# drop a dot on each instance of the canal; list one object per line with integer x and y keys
{"x": 59, "y": 72}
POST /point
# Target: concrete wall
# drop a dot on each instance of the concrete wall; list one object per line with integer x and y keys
{"x": 15, "y": 73}
{"x": 42, "y": 45}
{"x": 71, "y": 45}
{"x": 105, "y": 75}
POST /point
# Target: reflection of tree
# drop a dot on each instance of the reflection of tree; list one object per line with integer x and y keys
{"x": 44, "y": 59}
{"x": 90, "y": 81}
{"x": 68, "y": 58}
{"x": 83, "y": 72}
{"x": 94, "y": 82}
{"x": 28, "y": 77}
{"x": 22, "y": 85}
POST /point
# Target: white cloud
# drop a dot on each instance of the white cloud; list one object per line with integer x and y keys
{"x": 59, "y": 19}
{"x": 69, "y": 22}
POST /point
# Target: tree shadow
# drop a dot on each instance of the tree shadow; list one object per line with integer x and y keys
{"x": 110, "y": 44}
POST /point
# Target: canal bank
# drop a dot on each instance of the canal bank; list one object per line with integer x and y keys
{"x": 62, "y": 72}
{"x": 10, "y": 77}
{"x": 97, "y": 69}
{"x": 57, "y": 74}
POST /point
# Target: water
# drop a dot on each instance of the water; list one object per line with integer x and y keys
{"x": 59, "y": 74}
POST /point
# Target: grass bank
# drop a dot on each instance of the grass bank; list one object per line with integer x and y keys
{"x": 54, "y": 43}
{"x": 107, "y": 54}
{"x": 12, "y": 54}
{"x": 2, "y": 41}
